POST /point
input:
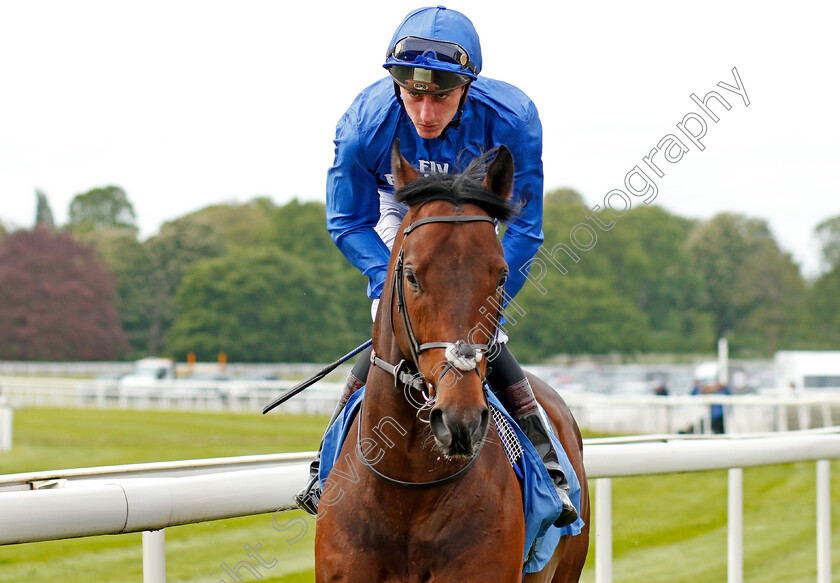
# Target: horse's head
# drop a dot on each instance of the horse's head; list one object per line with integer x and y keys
{"x": 447, "y": 278}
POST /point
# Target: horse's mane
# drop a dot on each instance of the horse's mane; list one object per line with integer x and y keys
{"x": 458, "y": 189}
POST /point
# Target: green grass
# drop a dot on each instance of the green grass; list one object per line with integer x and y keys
{"x": 666, "y": 528}
{"x": 48, "y": 439}
{"x": 673, "y": 528}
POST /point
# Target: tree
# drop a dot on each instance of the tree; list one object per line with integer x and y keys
{"x": 129, "y": 264}
{"x": 719, "y": 250}
{"x": 179, "y": 244}
{"x": 255, "y": 234}
{"x": 828, "y": 233}
{"x": 577, "y": 315}
{"x": 43, "y": 215}
{"x": 563, "y": 196}
{"x": 773, "y": 290}
{"x": 752, "y": 288}
{"x": 649, "y": 262}
{"x": 102, "y": 208}
{"x": 824, "y": 310}
{"x": 258, "y": 305}
{"x": 822, "y": 328}
{"x": 300, "y": 229}
{"x": 246, "y": 225}
{"x": 57, "y": 300}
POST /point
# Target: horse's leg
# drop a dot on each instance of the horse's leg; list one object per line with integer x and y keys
{"x": 570, "y": 554}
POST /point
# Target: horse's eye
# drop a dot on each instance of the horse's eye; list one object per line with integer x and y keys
{"x": 503, "y": 279}
{"x": 411, "y": 278}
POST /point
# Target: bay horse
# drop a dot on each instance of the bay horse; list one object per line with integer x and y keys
{"x": 436, "y": 500}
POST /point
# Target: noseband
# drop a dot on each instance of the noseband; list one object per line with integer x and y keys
{"x": 461, "y": 355}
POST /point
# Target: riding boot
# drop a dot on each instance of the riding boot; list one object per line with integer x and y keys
{"x": 310, "y": 495}
{"x": 534, "y": 426}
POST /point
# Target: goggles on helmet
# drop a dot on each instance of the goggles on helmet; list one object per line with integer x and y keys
{"x": 413, "y": 49}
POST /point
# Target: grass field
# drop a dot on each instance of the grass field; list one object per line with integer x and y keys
{"x": 666, "y": 529}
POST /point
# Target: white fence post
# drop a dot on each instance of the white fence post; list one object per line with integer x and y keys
{"x": 735, "y": 527}
{"x": 603, "y": 530}
{"x": 823, "y": 522}
{"x": 154, "y": 556}
{"x": 6, "y": 424}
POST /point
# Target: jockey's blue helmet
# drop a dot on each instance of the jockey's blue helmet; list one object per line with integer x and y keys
{"x": 434, "y": 50}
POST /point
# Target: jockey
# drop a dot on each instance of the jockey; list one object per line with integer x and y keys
{"x": 444, "y": 115}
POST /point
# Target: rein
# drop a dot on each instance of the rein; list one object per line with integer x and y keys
{"x": 404, "y": 484}
{"x": 460, "y": 354}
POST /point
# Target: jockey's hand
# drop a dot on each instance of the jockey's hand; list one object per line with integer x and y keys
{"x": 373, "y": 308}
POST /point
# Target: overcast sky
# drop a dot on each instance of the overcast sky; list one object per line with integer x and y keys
{"x": 188, "y": 104}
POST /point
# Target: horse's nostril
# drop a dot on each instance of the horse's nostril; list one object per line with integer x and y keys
{"x": 480, "y": 425}
{"x": 439, "y": 427}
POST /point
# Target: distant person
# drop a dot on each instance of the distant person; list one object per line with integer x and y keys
{"x": 712, "y": 387}
{"x": 659, "y": 388}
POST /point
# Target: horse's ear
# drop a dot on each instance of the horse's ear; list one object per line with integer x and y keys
{"x": 499, "y": 177}
{"x": 402, "y": 170}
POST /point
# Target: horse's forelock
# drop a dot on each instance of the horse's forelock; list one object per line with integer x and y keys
{"x": 458, "y": 189}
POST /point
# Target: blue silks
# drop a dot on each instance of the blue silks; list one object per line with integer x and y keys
{"x": 495, "y": 113}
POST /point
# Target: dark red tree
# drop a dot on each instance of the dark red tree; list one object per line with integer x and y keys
{"x": 56, "y": 300}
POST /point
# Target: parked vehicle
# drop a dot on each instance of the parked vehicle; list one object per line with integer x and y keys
{"x": 148, "y": 371}
{"x": 807, "y": 370}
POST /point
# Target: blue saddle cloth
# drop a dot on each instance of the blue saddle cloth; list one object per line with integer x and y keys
{"x": 541, "y": 504}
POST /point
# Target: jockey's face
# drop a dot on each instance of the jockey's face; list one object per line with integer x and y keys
{"x": 429, "y": 113}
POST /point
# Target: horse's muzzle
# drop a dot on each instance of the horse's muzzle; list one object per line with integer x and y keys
{"x": 458, "y": 434}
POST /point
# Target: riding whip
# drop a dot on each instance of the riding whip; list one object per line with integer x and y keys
{"x": 315, "y": 378}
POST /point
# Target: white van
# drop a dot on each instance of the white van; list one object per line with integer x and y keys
{"x": 807, "y": 370}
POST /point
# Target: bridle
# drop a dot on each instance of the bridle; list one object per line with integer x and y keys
{"x": 462, "y": 355}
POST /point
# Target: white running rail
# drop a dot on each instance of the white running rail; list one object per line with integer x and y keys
{"x": 613, "y": 414}
{"x": 151, "y": 497}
